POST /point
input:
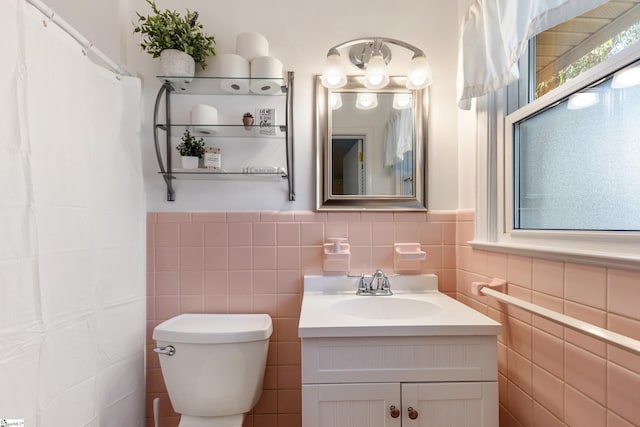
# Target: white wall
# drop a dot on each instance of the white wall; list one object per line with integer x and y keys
{"x": 97, "y": 20}
{"x": 300, "y": 37}
{"x": 466, "y": 144}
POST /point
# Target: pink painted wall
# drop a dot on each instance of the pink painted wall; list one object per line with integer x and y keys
{"x": 244, "y": 262}
{"x": 549, "y": 375}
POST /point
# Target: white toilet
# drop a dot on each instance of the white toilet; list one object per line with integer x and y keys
{"x": 213, "y": 365}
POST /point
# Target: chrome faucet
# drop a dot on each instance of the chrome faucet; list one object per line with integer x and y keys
{"x": 379, "y": 284}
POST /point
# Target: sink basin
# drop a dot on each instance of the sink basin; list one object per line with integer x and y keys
{"x": 331, "y": 308}
{"x": 384, "y": 307}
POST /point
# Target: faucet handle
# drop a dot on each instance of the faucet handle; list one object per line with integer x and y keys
{"x": 386, "y": 285}
{"x": 362, "y": 285}
{"x": 385, "y": 282}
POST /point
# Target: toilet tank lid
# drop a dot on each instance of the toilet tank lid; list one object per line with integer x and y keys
{"x": 214, "y": 328}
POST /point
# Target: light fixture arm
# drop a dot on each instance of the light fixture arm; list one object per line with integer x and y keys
{"x": 377, "y": 41}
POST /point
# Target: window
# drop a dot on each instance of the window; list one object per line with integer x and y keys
{"x": 573, "y": 47}
{"x": 576, "y": 163}
{"x": 563, "y": 174}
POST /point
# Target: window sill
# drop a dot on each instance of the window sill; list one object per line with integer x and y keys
{"x": 591, "y": 257}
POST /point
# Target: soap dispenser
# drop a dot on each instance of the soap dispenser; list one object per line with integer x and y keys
{"x": 337, "y": 254}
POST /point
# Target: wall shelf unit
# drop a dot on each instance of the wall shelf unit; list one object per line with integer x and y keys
{"x": 168, "y": 129}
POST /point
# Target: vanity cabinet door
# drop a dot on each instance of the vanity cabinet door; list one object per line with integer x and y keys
{"x": 460, "y": 404}
{"x": 351, "y": 405}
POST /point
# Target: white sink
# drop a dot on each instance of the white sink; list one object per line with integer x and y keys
{"x": 331, "y": 308}
{"x": 384, "y": 307}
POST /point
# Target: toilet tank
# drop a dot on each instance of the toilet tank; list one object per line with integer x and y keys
{"x": 219, "y": 361}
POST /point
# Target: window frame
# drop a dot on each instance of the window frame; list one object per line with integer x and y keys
{"x": 494, "y": 175}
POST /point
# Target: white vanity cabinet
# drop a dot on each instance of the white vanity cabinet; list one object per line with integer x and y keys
{"x": 459, "y": 404}
{"x": 416, "y": 358}
{"x": 400, "y": 381}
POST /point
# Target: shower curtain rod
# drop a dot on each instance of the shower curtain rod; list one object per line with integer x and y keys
{"x": 86, "y": 44}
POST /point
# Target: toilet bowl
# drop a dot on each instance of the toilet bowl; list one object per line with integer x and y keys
{"x": 213, "y": 365}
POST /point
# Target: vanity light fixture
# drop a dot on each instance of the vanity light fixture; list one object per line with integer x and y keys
{"x": 419, "y": 74}
{"x": 333, "y": 76}
{"x": 336, "y": 100}
{"x": 581, "y": 100}
{"x": 626, "y": 77}
{"x": 366, "y": 100}
{"x": 402, "y": 101}
{"x": 372, "y": 54}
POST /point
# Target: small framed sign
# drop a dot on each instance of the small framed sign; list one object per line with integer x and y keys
{"x": 212, "y": 158}
{"x": 266, "y": 120}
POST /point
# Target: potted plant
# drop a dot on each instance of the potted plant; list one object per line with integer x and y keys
{"x": 173, "y": 37}
{"x": 191, "y": 149}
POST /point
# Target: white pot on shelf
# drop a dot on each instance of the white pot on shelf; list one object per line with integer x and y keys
{"x": 176, "y": 63}
{"x": 189, "y": 162}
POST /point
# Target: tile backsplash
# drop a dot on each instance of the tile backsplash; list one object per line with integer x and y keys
{"x": 254, "y": 262}
{"x": 243, "y": 262}
{"x": 550, "y": 375}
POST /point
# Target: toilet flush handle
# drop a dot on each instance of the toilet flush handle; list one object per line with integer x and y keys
{"x": 169, "y": 350}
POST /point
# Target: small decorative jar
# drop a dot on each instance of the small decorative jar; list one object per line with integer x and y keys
{"x": 247, "y": 120}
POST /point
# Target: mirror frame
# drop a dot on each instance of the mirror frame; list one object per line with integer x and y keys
{"x": 328, "y": 202}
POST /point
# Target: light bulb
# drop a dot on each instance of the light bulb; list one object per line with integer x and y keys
{"x": 626, "y": 78}
{"x": 581, "y": 100}
{"x": 376, "y": 79}
{"x": 376, "y": 75}
{"x": 333, "y": 75}
{"x": 419, "y": 74}
{"x": 366, "y": 100}
{"x": 333, "y": 80}
{"x": 336, "y": 100}
{"x": 402, "y": 101}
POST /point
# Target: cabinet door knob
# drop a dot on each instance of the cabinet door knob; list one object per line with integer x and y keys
{"x": 413, "y": 414}
{"x": 394, "y": 412}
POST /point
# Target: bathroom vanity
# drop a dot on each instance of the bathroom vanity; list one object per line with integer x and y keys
{"x": 414, "y": 358}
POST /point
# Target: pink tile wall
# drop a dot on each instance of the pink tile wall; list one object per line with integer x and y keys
{"x": 549, "y": 375}
{"x": 244, "y": 262}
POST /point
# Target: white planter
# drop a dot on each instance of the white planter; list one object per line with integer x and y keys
{"x": 176, "y": 63}
{"x": 189, "y": 162}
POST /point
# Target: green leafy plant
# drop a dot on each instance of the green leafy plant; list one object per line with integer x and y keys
{"x": 190, "y": 145}
{"x": 169, "y": 30}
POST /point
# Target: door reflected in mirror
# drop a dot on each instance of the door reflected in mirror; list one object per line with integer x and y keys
{"x": 371, "y": 146}
{"x": 347, "y": 165}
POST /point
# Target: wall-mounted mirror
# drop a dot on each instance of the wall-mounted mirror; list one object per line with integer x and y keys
{"x": 371, "y": 146}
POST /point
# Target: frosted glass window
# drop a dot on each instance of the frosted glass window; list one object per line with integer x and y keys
{"x": 577, "y": 163}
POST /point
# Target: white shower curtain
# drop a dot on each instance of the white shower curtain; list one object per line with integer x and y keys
{"x": 72, "y": 224}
